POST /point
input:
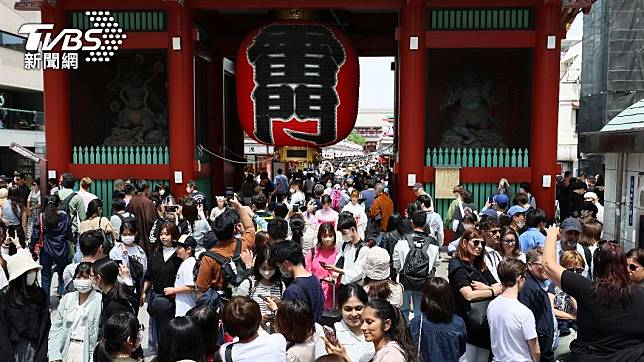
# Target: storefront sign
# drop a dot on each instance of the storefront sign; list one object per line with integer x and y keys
{"x": 631, "y": 200}
{"x": 297, "y": 84}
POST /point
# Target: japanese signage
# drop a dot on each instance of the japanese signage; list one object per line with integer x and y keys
{"x": 631, "y": 200}
{"x": 297, "y": 84}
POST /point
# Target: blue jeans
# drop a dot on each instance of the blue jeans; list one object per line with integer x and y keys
{"x": 47, "y": 261}
{"x": 414, "y": 297}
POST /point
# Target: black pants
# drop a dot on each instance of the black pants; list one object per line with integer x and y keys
{"x": 545, "y": 345}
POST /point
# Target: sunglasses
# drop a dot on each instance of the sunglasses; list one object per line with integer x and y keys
{"x": 510, "y": 241}
{"x": 633, "y": 267}
{"x": 576, "y": 270}
{"x": 477, "y": 242}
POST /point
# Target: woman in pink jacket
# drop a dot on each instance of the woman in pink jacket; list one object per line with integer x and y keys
{"x": 323, "y": 253}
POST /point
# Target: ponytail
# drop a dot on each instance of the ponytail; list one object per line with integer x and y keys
{"x": 51, "y": 216}
{"x": 399, "y": 331}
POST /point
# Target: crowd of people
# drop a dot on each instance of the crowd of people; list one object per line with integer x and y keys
{"x": 310, "y": 266}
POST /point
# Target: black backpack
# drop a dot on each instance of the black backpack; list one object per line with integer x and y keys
{"x": 340, "y": 262}
{"x": 416, "y": 268}
{"x": 64, "y": 206}
{"x": 232, "y": 269}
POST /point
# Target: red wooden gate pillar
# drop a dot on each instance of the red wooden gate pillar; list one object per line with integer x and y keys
{"x": 545, "y": 104}
{"x": 58, "y": 135}
{"x": 181, "y": 123}
{"x": 411, "y": 98}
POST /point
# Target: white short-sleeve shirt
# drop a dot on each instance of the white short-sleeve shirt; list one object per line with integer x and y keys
{"x": 512, "y": 325}
{"x": 185, "y": 301}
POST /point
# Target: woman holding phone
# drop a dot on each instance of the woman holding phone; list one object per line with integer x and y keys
{"x": 322, "y": 254}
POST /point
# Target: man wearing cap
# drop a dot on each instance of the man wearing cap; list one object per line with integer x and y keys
{"x": 570, "y": 231}
{"x": 517, "y": 213}
{"x": 501, "y": 203}
{"x": 594, "y": 199}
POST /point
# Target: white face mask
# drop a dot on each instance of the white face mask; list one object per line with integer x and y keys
{"x": 188, "y": 190}
{"x": 285, "y": 273}
{"x": 291, "y": 190}
{"x": 128, "y": 239}
{"x": 162, "y": 192}
{"x": 329, "y": 184}
{"x": 347, "y": 237}
{"x": 83, "y": 285}
{"x": 267, "y": 274}
{"x": 31, "y": 277}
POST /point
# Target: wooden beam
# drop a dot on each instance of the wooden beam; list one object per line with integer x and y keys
{"x": 112, "y": 172}
{"x": 306, "y": 4}
{"x": 146, "y": 40}
{"x": 480, "y": 39}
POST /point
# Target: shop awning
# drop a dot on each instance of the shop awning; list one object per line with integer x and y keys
{"x": 624, "y": 133}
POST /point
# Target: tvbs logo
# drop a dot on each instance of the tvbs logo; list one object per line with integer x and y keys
{"x": 101, "y": 41}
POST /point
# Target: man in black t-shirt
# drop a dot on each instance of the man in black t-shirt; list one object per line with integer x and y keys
{"x": 288, "y": 257}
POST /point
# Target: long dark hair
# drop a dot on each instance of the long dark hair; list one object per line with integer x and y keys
{"x": 92, "y": 208}
{"x": 51, "y": 215}
{"x": 378, "y": 289}
{"x": 438, "y": 301}
{"x": 17, "y": 205}
{"x": 108, "y": 269}
{"x": 505, "y": 230}
{"x": 116, "y": 331}
{"x": 352, "y": 290}
{"x": 611, "y": 283}
{"x": 189, "y": 210}
{"x": 396, "y": 223}
{"x": 324, "y": 229}
{"x": 207, "y": 320}
{"x": 261, "y": 257}
{"x": 180, "y": 340}
{"x": 294, "y": 320}
{"x": 399, "y": 331}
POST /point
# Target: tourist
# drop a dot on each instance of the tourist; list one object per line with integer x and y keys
{"x": 505, "y": 189}
{"x": 277, "y": 230}
{"x": 181, "y": 340}
{"x": 358, "y": 212}
{"x": 517, "y": 215}
{"x": 326, "y": 213}
{"x": 395, "y": 232}
{"x": 23, "y": 189}
{"x": 609, "y": 307}
{"x": 509, "y": 245}
{"x": 473, "y": 286}
{"x": 385, "y": 327}
{"x": 323, "y": 253}
{"x": 144, "y": 210}
{"x": 116, "y": 296}
{"x": 437, "y": 333}
{"x": 33, "y": 206}
{"x": 350, "y": 259}
{"x": 54, "y": 228}
{"x": 266, "y": 280}
{"x": 207, "y": 320}
{"x": 491, "y": 228}
{"x": 91, "y": 247}
{"x": 433, "y": 219}
{"x": 591, "y": 197}
{"x": 296, "y": 197}
{"x": 120, "y": 215}
{"x": 196, "y": 195}
{"x": 83, "y": 191}
{"x": 512, "y": 324}
{"x": 121, "y": 336}
{"x": 161, "y": 274}
{"x": 381, "y": 208}
{"x": 71, "y": 202}
{"x": 533, "y": 236}
{"x": 75, "y": 322}
{"x": 377, "y": 281}
{"x": 193, "y": 222}
{"x": 457, "y": 191}
{"x": 184, "y": 285}
{"x": 590, "y": 236}
{"x": 24, "y": 312}
{"x": 525, "y": 188}
{"x": 287, "y": 256}
{"x": 248, "y": 188}
{"x": 294, "y": 321}
{"x": 281, "y": 185}
{"x": 635, "y": 260}
{"x": 571, "y": 230}
{"x": 534, "y": 296}
{"x": 219, "y": 208}
{"x": 565, "y": 307}
{"x": 465, "y": 207}
{"x": 348, "y": 332}
{"x": 241, "y": 318}
{"x": 13, "y": 214}
{"x": 233, "y": 222}
{"x": 96, "y": 221}
{"x": 469, "y": 221}
{"x": 128, "y": 251}
{"x": 417, "y": 241}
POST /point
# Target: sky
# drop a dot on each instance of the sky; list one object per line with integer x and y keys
{"x": 377, "y": 78}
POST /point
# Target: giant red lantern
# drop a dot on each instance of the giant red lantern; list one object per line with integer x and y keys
{"x": 297, "y": 84}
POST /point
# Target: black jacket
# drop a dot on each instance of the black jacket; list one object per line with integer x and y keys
{"x": 536, "y": 299}
{"x": 29, "y": 321}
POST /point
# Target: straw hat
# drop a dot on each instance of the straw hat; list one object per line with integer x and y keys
{"x": 20, "y": 264}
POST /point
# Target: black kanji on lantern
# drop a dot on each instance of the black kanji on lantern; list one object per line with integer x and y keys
{"x": 296, "y": 68}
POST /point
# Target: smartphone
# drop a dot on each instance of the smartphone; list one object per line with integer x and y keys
{"x": 296, "y": 208}
{"x": 171, "y": 208}
{"x": 329, "y": 333}
{"x": 264, "y": 298}
{"x": 323, "y": 264}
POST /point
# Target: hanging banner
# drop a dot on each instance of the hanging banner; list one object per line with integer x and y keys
{"x": 297, "y": 84}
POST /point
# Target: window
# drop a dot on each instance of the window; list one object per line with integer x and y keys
{"x": 11, "y": 41}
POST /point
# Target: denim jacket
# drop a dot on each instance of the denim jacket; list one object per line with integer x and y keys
{"x": 439, "y": 341}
